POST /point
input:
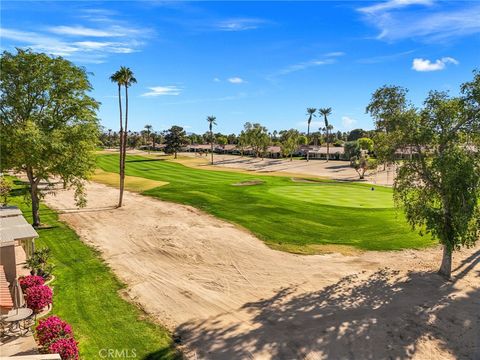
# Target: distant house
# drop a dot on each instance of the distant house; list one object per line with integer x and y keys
{"x": 320, "y": 152}
{"x": 17, "y": 243}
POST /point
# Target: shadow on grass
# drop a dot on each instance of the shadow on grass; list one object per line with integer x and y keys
{"x": 383, "y": 316}
{"x": 144, "y": 160}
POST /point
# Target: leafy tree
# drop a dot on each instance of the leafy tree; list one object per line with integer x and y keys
{"x": 232, "y": 139}
{"x": 242, "y": 142}
{"x": 362, "y": 162}
{"x": 351, "y": 149}
{"x": 6, "y": 186}
{"x": 175, "y": 139}
{"x": 211, "y": 121}
{"x": 317, "y": 138}
{"x": 356, "y": 134}
{"x": 365, "y": 144}
{"x": 311, "y": 113}
{"x": 290, "y": 140}
{"x": 439, "y": 186}
{"x": 327, "y": 112}
{"x": 222, "y": 140}
{"x": 123, "y": 77}
{"x": 48, "y": 123}
{"x": 257, "y": 137}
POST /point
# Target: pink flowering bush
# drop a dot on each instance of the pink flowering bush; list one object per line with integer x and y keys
{"x": 52, "y": 328}
{"x": 30, "y": 280}
{"x": 38, "y": 297}
{"x": 67, "y": 348}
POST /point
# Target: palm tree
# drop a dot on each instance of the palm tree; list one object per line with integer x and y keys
{"x": 149, "y": 129}
{"x": 211, "y": 122}
{"x": 311, "y": 114}
{"x": 117, "y": 79}
{"x": 326, "y": 112}
{"x": 123, "y": 77}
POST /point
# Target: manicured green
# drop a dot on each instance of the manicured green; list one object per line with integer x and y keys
{"x": 86, "y": 295}
{"x": 287, "y": 215}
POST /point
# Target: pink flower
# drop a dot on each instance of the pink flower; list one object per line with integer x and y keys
{"x": 30, "y": 280}
{"x": 67, "y": 348}
{"x": 38, "y": 297}
{"x": 52, "y": 328}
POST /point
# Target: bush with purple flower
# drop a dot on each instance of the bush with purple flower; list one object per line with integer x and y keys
{"x": 38, "y": 297}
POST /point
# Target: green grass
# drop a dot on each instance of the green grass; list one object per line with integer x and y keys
{"x": 287, "y": 215}
{"x": 86, "y": 294}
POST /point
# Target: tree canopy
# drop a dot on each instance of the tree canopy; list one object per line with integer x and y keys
{"x": 439, "y": 187}
{"x": 175, "y": 139}
{"x": 48, "y": 122}
{"x": 257, "y": 137}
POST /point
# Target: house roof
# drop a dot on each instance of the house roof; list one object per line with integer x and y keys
{"x": 323, "y": 150}
{"x": 13, "y": 226}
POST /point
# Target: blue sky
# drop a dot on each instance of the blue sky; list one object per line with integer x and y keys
{"x": 253, "y": 61}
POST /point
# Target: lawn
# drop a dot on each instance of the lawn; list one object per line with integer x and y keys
{"x": 287, "y": 215}
{"x": 86, "y": 294}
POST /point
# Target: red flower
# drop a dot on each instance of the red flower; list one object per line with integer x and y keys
{"x": 38, "y": 297}
{"x": 30, "y": 280}
{"x": 51, "y": 329}
{"x": 67, "y": 348}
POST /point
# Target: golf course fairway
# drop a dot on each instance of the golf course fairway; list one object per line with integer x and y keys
{"x": 287, "y": 215}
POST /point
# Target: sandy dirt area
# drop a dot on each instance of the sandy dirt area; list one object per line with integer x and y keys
{"x": 226, "y": 295}
{"x": 334, "y": 169}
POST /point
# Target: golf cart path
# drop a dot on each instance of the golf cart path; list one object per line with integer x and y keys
{"x": 228, "y": 296}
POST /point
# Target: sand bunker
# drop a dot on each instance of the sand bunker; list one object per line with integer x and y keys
{"x": 228, "y": 296}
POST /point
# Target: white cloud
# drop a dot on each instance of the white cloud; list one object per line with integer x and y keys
{"x": 236, "y": 80}
{"x": 83, "y": 51}
{"x": 83, "y": 31}
{"x": 393, "y": 4}
{"x": 216, "y": 79}
{"x": 240, "y": 24}
{"x": 426, "y": 65}
{"x": 348, "y": 123}
{"x": 304, "y": 65}
{"x": 335, "y": 54}
{"x": 163, "y": 90}
{"x": 79, "y": 43}
{"x": 446, "y": 20}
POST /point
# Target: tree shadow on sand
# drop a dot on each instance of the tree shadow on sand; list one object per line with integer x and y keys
{"x": 377, "y": 316}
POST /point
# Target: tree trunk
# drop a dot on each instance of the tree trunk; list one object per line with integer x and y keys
{"x": 35, "y": 199}
{"x": 308, "y": 142}
{"x": 446, "y": 266}
{"x": 211, "y": 144}
{"x": 125, "y": 141}
{"x": 120, "y": 200}
{"x": 328, "y": 147}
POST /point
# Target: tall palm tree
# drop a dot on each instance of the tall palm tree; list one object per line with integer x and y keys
{"x": 115, "y": 78}
{"x": 148, "y": 128}
{"x": 211, "y": 121}
{"x": 311, "y": 114}
{"x": 123, "y": 77}
{"x": 326, "y": 112}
